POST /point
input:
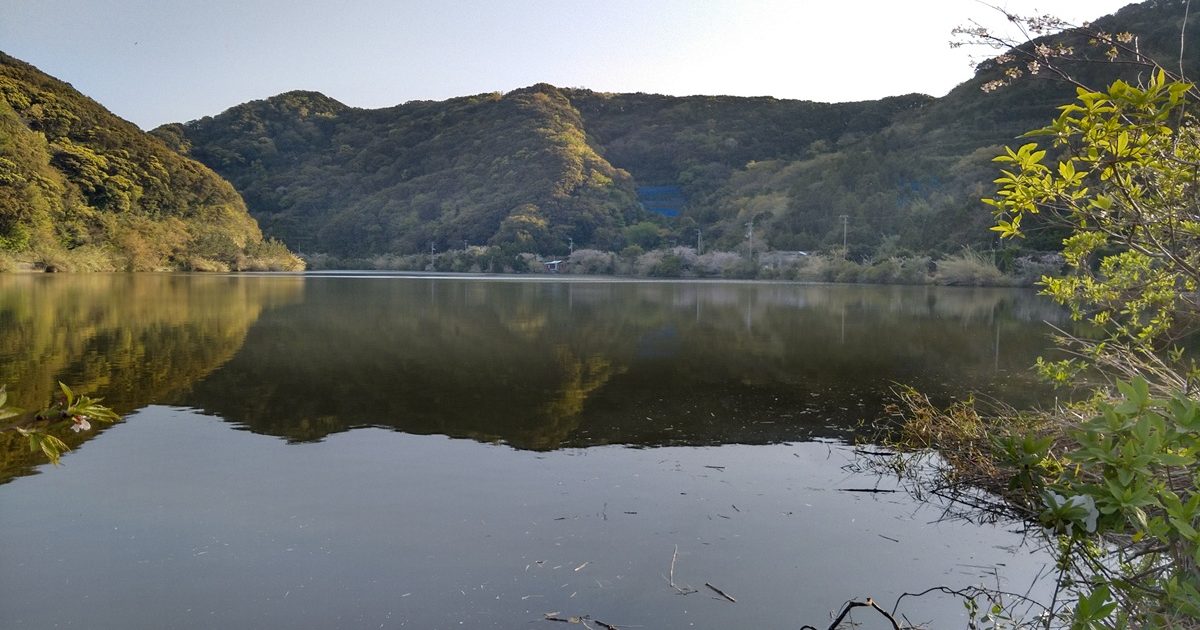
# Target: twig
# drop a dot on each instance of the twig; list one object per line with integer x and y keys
{"x": 720, "y": 592}
{"x": 671, "y": 579}
{"x": 871, "y": 490}
{"x": 869, "y": 603}
{"x": 580, "y": 620}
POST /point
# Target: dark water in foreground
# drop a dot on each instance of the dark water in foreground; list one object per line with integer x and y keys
{"x": 378, "y": 451}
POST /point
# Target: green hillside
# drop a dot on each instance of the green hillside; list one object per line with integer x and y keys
{"x": 83, "y": 189}
{"x": 515, "y": 169}
{"x": 538, "y": 168}
{"x": 922, "y": 176}
{"x": 532, "y": 170}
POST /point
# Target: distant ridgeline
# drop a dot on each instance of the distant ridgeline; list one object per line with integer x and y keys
{"x": 83, "y": 189}
{"x": 540, "y": 167}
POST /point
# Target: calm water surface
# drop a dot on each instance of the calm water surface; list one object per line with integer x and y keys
{"x": 369, "y": 450}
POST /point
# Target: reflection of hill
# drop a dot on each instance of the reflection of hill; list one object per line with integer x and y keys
{"x": 132, "y": 339}
{"x": 543, "y": 365}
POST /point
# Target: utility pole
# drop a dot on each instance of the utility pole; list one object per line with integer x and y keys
{"x": 750, "y": 235}
{"x": 430, "y": 248}
{"x": 845, "y": 224}
{"x": 699, "y": 242}
{"x": 571, "y": 240}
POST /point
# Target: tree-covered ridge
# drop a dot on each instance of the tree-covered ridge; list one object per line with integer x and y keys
{"x": 920, "y": 178}
{"x": 540, "y": 167}
{"x": 81, "y": 188}
{"x": 515, "y": 169}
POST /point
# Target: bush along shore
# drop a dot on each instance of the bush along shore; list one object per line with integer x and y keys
{"x": 1109, "y": 483}
{"x": 964, "y": 268}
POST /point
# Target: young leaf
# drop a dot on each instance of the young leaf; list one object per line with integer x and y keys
{"x": 67, "y": 392}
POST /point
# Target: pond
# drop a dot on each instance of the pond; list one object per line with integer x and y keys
{"x": 393, "y": 450}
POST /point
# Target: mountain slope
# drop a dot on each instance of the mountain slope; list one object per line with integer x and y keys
{"x": 516, "y": 169}
{"x": 82, "y": 188}
{"x": 539, "y": 168}
{"x": 919, "y": 180}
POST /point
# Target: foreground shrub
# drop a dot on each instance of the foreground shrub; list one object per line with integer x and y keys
{"x": 1112, "y": 484}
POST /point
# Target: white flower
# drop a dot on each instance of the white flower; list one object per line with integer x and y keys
{"x": 1088, "y": 504}
{"x": 81, "y": 424}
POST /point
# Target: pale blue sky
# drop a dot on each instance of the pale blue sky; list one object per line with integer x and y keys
{"x": 157, "y": 61}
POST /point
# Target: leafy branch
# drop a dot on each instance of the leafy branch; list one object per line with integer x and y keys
{"x": 73, "y": 411}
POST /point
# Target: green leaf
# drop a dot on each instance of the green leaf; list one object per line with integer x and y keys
{"x": 53, "y": 448}
{"x": 67, "y": 392}
{"x": 1184, "y": 528}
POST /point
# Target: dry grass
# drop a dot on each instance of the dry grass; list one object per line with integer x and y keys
{"x": 970, "y": 268}
{"x": 958, "y": 454}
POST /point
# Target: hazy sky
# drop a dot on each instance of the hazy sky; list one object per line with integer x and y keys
{"x": 156, "y": 61}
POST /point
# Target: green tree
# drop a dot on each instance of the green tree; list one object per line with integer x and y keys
{"x": 1121, "y": 173}
{"x": 1113, "y": 479}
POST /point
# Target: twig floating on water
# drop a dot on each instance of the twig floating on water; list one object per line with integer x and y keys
{"x": 671, "y": 579}
{"x": 581, "y": 620}
{"x": 871, "y": 490}
{"x": 720, "y": 592}
{"x": 889, "y": 538}
{"x": 720, "y": 468}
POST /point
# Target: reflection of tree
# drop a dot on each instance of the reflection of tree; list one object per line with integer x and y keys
{"x": 581, "y": 378}
{"x": 545, "y": 364}
{"x": 131, "y": 339}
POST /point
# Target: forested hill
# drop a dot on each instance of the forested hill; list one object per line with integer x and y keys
{"x": 83, "y": 189}
{"x": 523, "y": 169}
{"x": 539, "y": 168}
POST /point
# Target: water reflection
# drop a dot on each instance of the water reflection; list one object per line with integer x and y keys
{"x": 538, "y": 365}
{"x": 543, "y": 365}
{"x": 132, "y": 339}
{"x": 200, "y": 526}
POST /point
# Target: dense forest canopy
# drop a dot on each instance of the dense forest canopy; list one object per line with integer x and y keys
{"x": 82, "y": 188}
{"x": 541, "y": 168}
